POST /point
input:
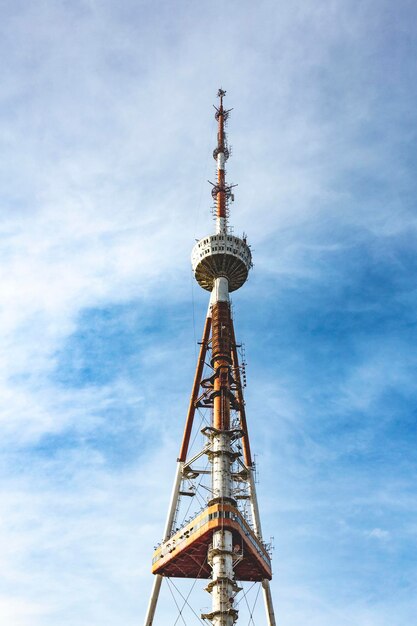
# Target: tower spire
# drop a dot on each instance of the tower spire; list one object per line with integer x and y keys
{"x": 223, "y": 541}
{"x": 221, "y": 192}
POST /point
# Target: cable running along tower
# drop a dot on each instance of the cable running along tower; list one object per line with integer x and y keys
{"x": 222, "y": 541}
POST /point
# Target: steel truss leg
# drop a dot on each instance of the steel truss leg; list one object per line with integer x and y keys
{"x": 195, "y": 389}
{"x": 266, "y": 590}
{"x": 167, "y": 533}
{"x": 173, "y": 507}
{"x": 170, "y": 523}
{"x": 153, "y": 600}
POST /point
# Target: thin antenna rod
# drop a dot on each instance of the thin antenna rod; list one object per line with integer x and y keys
{"x": 221, "y": 191}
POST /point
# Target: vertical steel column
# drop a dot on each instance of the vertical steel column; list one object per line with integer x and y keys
{"x": 223, "y": 587}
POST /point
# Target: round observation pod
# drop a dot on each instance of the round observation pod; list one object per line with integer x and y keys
{"x": 221, "y": 255}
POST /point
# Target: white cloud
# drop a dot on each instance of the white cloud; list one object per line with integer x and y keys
{"x": 379, "y": 533}
{"x": 104, "y": 160}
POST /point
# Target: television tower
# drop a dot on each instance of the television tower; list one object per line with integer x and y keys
{"x": 222, "y": 542}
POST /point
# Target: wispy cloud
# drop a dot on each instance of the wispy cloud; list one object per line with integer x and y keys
{"x": 105, "y": 149}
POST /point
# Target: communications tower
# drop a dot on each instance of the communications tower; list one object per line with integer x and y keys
{"x": 222, "y": 541}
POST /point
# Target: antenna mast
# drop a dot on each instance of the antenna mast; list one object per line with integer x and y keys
{"x": 223, "y": 542}
{"x": 221, "y": 192}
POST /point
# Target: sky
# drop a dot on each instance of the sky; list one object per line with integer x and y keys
{"x": 105, "y": 142}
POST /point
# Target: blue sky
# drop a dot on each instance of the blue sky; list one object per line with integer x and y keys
{"x": 106, "y": 139}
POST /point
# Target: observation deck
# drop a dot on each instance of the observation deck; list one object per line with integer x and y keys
{"x": 221, "y": 255}
{"x": 184, "y": 554}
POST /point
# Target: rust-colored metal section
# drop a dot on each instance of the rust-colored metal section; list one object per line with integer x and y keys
{"x": 221, "y": 361}
{"x": 239, "y": 388}
{"x": 194, "y": 393}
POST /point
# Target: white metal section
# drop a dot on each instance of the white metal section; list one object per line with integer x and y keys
{"x": 256, "y": 518}
{"x": 266, "y": 590}
{"x": 153, "y": 600}
{"x": 210, "y": 305}
{"x": 169, "y": 525}
{"x": 221, "y": 226}
{"x": 220, "y": 161}
{"x": 221, "y": 474}
{"x": 222, "y": 587}
{"x": 269, "y": 608}
{"x": 222, "y": 567}
{"x": 220, "y": 291}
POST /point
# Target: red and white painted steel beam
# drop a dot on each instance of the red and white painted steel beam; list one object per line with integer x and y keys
{"x": 221, "y": 157}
